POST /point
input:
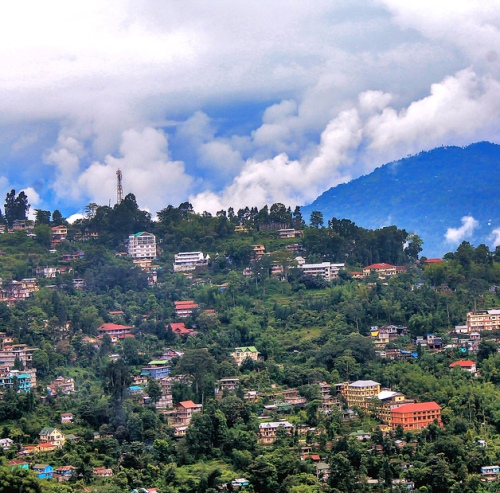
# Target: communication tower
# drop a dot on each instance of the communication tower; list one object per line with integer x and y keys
{"x": 119, "y": 187}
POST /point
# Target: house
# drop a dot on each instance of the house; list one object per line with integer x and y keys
{"x": 322, "y": 471}
{"x": 142, "y": 245}
{"x": 43, "y": 471}
{"x": 66, "y": 418}
{"x": 240, "y": 482}
{"x": 46, "y": 447}
{"x": 52, "y": 435}
{"x": 71, "y": 257}
{"x": 24, "y": 380}
{"x": 289, "y": 233}
{"x": 416, "y": 416}
{"x": 185, "y": 308}
{"x": 490, "y": 470}
{"x": 14, "y": 291}
{"x": 466, "y": 364}
{"x": 103, "y": 472}
{"x": 61, "y": 386}
{"x": 226, "y": 385}
{"x": 360, "y": 435}
{"x": 268, "y": 431}
{"x": 18, "y": 464}
{"x": 382, "y": 270}
{"x": 59, "y": 234}
{"x": 156, "y": 369}
{"x": 326, "y": 270}
{"x": 188, "y": 261}
{"x": 113, "y": 329}
{"x": 6, "y": 443}
{"x": 9, "y": 354}
{"x": 483, "y": 320}
{"x": 240, "y": 354}
{"x": 169, "y": 354}
{"x": 359, "y": 393}
{"x": 23, "y": 225}
{"x": 64, "y": 473}
{"x": 258, "y": 251}
{"x": 184, "y": 412}
{"x": 180, "y": 329}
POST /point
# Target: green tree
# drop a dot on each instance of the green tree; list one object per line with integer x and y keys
{"x": 316, "y": 219}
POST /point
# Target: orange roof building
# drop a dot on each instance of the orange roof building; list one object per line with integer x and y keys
{"x": 114, "y": 329}
{"x": 465, "y": 364}
{"x": 416, "y": 416}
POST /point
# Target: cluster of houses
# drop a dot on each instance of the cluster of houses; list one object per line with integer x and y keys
{"x": 62, "y": 473}
{"x": 13, "y": 291}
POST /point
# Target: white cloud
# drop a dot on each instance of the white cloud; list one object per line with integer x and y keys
{"x": 147, "y": 171}
{"x": 71, "y": 219}
{"x": 457, "y": 235}
{"x": 495, "y": 237}
{"x": 34, "y": 201}
{"x": 346, "y": 86}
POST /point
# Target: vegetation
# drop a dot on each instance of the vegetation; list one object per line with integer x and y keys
{"x": 307, "y": 331}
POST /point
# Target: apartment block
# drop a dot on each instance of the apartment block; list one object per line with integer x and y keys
{"x": 142, "y": 245}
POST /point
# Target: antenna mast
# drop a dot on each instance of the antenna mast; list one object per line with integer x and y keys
{"x": 119, "y": 188}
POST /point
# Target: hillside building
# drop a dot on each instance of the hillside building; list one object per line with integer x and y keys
{"x": 480, "y": 320}
{"x": 142, "y": 245}
{"x": 187, "y": 261}
{"x": 326, "y": 270}
{"x": 416, "y": 416}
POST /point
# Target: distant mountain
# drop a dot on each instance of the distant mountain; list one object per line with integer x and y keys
{"x": 426, "y": 194}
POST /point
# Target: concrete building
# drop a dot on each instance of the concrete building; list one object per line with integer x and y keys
{"x": 186, "y": 261}
{"x": 480, "y": 320}
{"x": 326, "y": 270}
{"x": 142, "y": 245}
{"x": 21, "y": 352}
{"x": 360, "y": 393}
{"x": 240, "y": 354}
{"x": 268, "y": 431}
{"x": 416, "y": 416}
{"x": 25, "y": 380}
{"x": 184, "y": 411}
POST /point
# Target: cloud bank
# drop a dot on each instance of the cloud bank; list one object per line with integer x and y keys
{"x": 231, "y": 103}
{"x": 457, "y": 235}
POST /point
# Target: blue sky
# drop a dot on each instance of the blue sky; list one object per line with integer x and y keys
{"x": 234, "y": 103}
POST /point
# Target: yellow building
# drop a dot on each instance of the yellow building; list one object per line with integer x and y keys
{"x": 360, "y": 392}
{"x": 242, "y": 353}
{"x": 384, "y": 402}
{"x": 52, "y": 435}
{"x": 483, "y": 320}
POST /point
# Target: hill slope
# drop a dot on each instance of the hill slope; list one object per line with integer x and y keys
{"x": 427, "y": 194}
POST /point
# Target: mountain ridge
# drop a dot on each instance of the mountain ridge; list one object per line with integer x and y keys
{"x": 426, "y": 193}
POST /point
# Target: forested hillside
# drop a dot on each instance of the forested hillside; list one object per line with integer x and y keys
{"x": 252, "y": 389}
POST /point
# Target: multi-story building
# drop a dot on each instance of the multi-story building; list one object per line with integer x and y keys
{"x": 268, "y": 431}
{"x": 185, "y": 308}
{"x": 156, "y": 369}
{"x": 240, "y": 354}
{"x": 226, "y": 385}
{"x": 184, "y": 411}
{"x": 52, "y": 435}
{"x": 59, "y": 234}
{"x": 384, "y": 402}
{"x": 142, "y": 245}
{"x": 326, "y": 270}
{"x": 382, "y": 270}
{"x": 289, "y": 233}
{"x": 20, "y": 352}
{"x": 24, "y": 380}
{"x": 416, "y": 416}
{"x": 186, "y": 261}
{"x": 18, "y": 290}
{"x": 61, "y": 386}
{"x": 258, "y": 251}
{"x": 479, "y": 320}
{"x": 359, "y": 393}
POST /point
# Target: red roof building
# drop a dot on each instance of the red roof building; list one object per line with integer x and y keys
{"x": 184, "y": 412}
{"x": 382, "y": 270}
{"x": 180, "y": 328}
{"x": 185, "y": 308}
{"x": 433, "y": 261}
{"x": 113, "y": 329}
{"x": 465, "y": 364}
{"x": 416, "y": 416}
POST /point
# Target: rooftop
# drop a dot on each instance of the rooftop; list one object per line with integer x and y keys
{"x": 420, "y": 406}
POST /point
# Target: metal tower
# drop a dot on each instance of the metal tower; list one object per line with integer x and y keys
{"x": 119, "y": 188}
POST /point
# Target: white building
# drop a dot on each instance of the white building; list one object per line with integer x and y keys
{"x": 142, "y": 245}
{"x": 326, "y": 270}
{"x": 185, "y": 261}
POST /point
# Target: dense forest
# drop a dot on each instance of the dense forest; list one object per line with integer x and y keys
{"x": 310, "y": 334}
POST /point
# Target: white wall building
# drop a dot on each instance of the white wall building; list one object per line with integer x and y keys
{"x": 326, "y": 270}
{"x": 142, "y": 245}
{"x": 185, "y": 261}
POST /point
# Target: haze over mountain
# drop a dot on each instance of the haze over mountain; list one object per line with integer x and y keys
{"x": 446, "y": 195}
